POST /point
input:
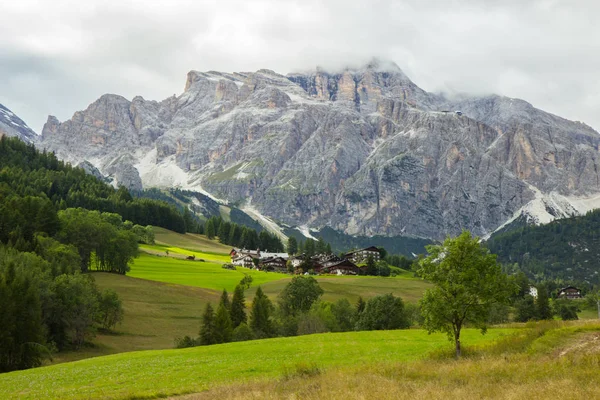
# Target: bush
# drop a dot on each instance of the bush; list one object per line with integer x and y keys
{"x": 184, "y": 342}
{"x": 242, "y": 333}
{"x": 383, "y": 312}
{"x": 566, "y": 309}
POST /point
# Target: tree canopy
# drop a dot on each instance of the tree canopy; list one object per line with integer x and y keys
{"x": 467, "y": 280}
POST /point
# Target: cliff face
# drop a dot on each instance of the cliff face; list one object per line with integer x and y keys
{"x": 364, "y": 151}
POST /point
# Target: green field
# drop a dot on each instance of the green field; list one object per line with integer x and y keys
{"x": 351, "y": 287}
{"x": 209, "y": 275}
{"x": 170, "y": 372}
{"x": 162, "y": 250}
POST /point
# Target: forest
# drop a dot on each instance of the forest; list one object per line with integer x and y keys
{"x": 565, "y": 249}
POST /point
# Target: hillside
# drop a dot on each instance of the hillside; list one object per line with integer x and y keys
{"x": 506, "y": 363}
{"x": 169, "y": 372}
{"x": 567, "y": 249}
{"x": 363, "y": 151}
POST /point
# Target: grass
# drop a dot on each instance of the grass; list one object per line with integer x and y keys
{"x": 351, "y": 287}
{"x": 158, "y": 249}
{"x": 208, "y": 275}
{"x": 170, "y": 372}
{"x": 189, "y": 241}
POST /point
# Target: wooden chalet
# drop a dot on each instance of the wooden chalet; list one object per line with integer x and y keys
{"x": 276, "y": 264}
{"x": 362, "y": 254}
{"x": 338, "y": 267}
{"x": 570, "y": 292}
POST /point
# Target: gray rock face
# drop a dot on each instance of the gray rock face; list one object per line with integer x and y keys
{"x": 11, "y": 125}
{"x": 364, "y": 151}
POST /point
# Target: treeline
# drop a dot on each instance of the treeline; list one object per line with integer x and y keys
{"x": 26, "y": 173}
{"x": 47, "y": 306}
{"x": 241, "y": 236}
{"x": 567, "y": 249}
{"x": 298, "y": 310}
{"x": 308, "y": 247}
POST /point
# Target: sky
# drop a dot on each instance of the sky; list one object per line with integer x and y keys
{"x": 57, "y": 57}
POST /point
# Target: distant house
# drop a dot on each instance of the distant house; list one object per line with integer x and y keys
{"x": 341, "y": 267}
{"x": 362, "y": 254}
{"x": 240, "y": 257}
{"x": 570, "y": 292}
{"x": 533, "y": 292}
{"x": 277, "y": 264}
{"x": 297, "y": 260}
{"x": 242, "y": 260}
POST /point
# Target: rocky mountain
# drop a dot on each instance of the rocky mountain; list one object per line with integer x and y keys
{"x": 11, "y": 125}
{"x": 364, "y": 151}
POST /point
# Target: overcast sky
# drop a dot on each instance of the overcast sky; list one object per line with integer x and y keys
{"x": 56, "y": 56}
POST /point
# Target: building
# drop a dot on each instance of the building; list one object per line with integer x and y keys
{"x": 297, "y": 260}
{"x": 236, "y": 253}
{"x": 361, "y": 255}
{"x": 265, "y": 254}
{"x": 276, "y": 264}
{"x": 342, "y": 267}
{"x": 242, "y": 260}
{"x": 570, "y": 292}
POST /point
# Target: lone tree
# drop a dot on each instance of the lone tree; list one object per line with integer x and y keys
{"x": 467, "y": 282}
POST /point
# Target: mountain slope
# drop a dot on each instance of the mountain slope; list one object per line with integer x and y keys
{"x": 567, "y": 249}
{"x": 11, "y": 125}
{"x": 363, "y": 151}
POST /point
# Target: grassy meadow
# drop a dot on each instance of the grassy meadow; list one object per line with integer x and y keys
{"x": 158, "y": 373}
{"x": 561, "y": 362}
{"x": 208, "y": 275}
{"x": 190, "y": 241}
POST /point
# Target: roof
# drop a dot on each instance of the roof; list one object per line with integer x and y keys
{"x": 272, "y": 255}
{"x": 370, "y": 248}
{"x": 567, "y": 288}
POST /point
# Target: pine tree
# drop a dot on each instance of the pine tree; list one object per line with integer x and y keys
{"x": 208, "y": 328}
{"x": 260, "y": 321}
{"x": 224, "y": 230}
{"x": 328, "y": 249}
{"x": 542, "y": 304}
{"x": 238, "y": 307}
{"x": 292, "y": 245}
{"x": 321, "y": 246}
{"x": 223, "y": 327}
{"x": 360, "y": 305}
{"x": 210, "y": 229}
{"x": 225, "y": 300}
{"x": 371, "y": 268}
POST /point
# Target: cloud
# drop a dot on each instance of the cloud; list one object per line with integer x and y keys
{"x": 57, "y": 57}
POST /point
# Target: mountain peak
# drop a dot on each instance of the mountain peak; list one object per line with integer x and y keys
{"x": 11, "y": 125}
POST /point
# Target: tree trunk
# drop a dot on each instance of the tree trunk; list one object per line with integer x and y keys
{"x": 598, "y": 308}
{"x": 457, "y": 341}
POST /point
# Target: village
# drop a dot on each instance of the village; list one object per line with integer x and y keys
{"x": 347, "y": 264}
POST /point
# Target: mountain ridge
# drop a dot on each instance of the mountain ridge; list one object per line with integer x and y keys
{"x": 364, "y": 151}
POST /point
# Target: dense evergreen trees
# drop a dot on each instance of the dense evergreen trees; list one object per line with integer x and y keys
{"x": 567, "y": 249}
{"x": 241, "y": 236}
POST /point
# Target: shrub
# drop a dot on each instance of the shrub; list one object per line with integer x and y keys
{"x": 242, "y": 333}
